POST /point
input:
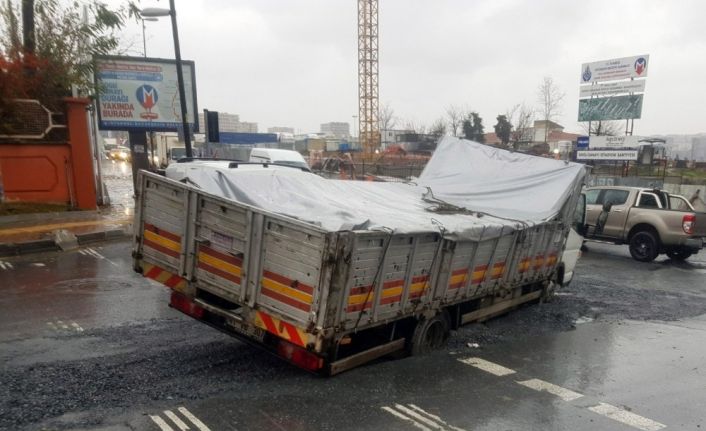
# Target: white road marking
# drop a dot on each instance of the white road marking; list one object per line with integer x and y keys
{"x": 161, "y": 424}
{"x": 77, "y": 326}
{"x": 178, "y": 422}
{"x": 405, "y": 418}
{"x": 436, "y": 418}
{"x": 39, "y": 264}
{"x": 59, "y": 325}
{"x": 62, "y": 324}
{"x": 488, "y": 366}
{"x": 5, "y": 265}
{"x": 200, "y": 425}
{"x": 626, "y": 417}
{"x": 542, "y": 386}
{"x": 420, "y": 418}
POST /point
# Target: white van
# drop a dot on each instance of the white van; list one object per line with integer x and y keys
{"x": 279, "y": 157}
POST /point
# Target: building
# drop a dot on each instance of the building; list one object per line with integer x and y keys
{"x": 389, "y": 136}
{"x": 533, "y": 138}
{"x": 336, "y": 129}
{"x": 279, "y": 129}
{"x": 230, "y": 123}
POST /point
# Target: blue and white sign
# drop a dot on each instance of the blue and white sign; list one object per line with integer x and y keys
{"x": 615, "y": 69}
{"x": 582, "y": 142}
{"x": 138, "y": 93}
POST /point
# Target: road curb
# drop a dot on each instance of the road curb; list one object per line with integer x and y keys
{"x": 32, "y": 218}
{"x": 38, "y": 246}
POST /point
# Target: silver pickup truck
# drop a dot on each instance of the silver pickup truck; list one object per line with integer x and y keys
{"x": 650, "y": 221}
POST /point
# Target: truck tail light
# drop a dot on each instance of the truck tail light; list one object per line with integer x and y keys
{"x": 184, "y": 304}
{"x": 300, "y": 357}
{"x": 687, "y": 223}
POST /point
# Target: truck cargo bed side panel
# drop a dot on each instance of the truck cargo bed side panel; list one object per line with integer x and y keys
{"x": 162, "y": 224}
{"x": 290, "y": 270}
{"x": 221, "y": 235}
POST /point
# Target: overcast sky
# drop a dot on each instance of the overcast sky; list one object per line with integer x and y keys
{"x": 294, "y": 62}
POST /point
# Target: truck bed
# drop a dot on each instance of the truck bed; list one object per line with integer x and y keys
{"x": 308, "y": 294}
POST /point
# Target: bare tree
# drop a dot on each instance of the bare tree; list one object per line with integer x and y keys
{"x": 438, "y": 127}
{"x": 549, "y": 97}
{"x": 454, "y": 115}
{"x": 521, "y": 116}
{"x": 387, "y": 117}
{"x": 604, "y": 128}
{"x": 415, "y": 127}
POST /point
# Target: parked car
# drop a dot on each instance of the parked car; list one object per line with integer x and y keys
{"x": 120, "y": 153}
{"x": 277, "y": 156}
{"x": 650, "y": 221}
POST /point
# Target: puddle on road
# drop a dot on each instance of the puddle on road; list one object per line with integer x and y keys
{"x": 583, "y": 319}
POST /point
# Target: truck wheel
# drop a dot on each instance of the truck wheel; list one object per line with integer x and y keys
{"x": 430, "y": 334}
{"x": 679, "y": 253}
{"x": 644, "y": 246}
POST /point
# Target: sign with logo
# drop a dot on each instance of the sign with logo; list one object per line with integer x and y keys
{"x": 612, "y": 88}
{"x": 611, "y": 108}
{"x": 582, "y": 142}
{"x": 607, "y": 155}
{"x": 137, "y": 93}
{"x": 614, "y": 69}
{"x": 614, "y": 142}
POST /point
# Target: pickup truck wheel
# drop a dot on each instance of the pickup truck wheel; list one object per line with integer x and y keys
{"x": 644, "y": 246}
{"x": 679, "y": 254}
{"x": 430, "y": 334}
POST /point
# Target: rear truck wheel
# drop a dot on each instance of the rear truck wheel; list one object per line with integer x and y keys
{"x": 679, "y": 253}
{"x": 644, "y": 246}
{"x": 430, "y": 334}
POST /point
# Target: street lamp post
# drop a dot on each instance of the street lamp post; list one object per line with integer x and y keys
{"x": 159, "y": 12}
{"x": 144, "y": 40}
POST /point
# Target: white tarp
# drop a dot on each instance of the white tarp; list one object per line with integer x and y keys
{"x": 344, "y": 205}
{"x": 499, "y": 182}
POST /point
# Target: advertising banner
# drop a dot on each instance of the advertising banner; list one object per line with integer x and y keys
{"x": 615, "y": 69}
{"x": 614, "y": 142}
{"x": 607, "y": 155}
{"x": 611, "y": 108}
{"x": 612, "y": 88}
{"x": 138, "y": 94}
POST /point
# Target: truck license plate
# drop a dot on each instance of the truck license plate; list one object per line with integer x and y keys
{"x": 247, "y": 330}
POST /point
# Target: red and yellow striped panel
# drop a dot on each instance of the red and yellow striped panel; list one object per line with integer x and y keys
{"x": 498, "y": 270}
{"x": 524, "y": 265}
{"x": 458, "y": 279}
{"x": 281, "y": 329}
{"x": 161, "y": 240}
{"x": 538, "y": 261}
{"x": 419, "y": 285}
{"x": 551, "y": 260}
{"x": 391, "y": 292}
{"x": 165, "y": 277}
{"x": 287, "y": 291}
{"x": 360, "y": 298}
{"x": 220, "y": 264}
{"x": 479, "y": 274}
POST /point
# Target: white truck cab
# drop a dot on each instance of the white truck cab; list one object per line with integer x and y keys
{"x": 277, "y": 156}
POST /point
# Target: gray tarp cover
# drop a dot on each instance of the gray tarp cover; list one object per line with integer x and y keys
{"x": 511, "y": 190}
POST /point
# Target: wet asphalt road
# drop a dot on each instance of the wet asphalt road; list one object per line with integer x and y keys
{"x": 86, "y": 344}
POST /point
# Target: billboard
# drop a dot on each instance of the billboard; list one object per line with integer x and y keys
{"x": 615, "y": 69}
{"x": 607, "y": 155}
{"x": 614, "y": 142}
{"x": 611, "y": 108}
{"x": 612, "y": 88}
{"x": 137, "y": 93}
